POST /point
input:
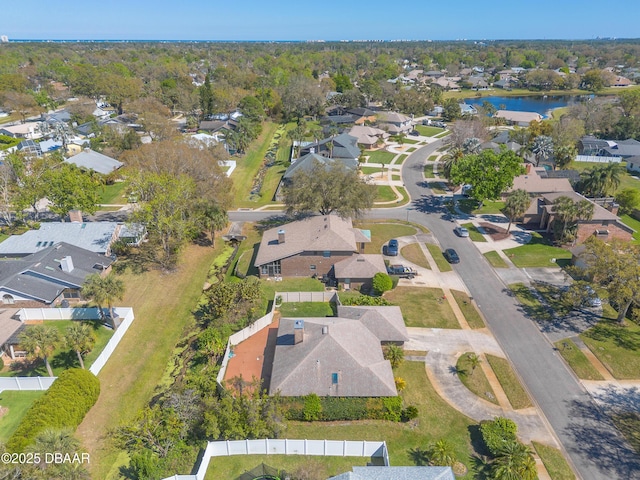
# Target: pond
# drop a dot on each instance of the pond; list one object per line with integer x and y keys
{"x": 542, "y": 104}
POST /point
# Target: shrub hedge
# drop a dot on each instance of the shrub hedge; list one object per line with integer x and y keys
{"x": 342, "y": 408}
{"x": 64, "y": 405}
{"x": 498, "y": 433}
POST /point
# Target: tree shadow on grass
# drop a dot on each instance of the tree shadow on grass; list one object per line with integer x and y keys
{"x": 419, "y": 456}
{"x": 620, "y": 335}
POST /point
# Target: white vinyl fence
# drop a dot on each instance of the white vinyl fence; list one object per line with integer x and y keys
{"x": 269, "y": 446}
{"x": 25, "y": 383}
{"x": 294, "y": 297}
{"x": 597, "y": 159}
{"x": 126, "y": 313}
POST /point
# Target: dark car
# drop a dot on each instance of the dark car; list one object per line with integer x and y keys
{"x": 415, "y": 133}
{"x": 392, "y": 248}
{"x": 451, "y": 255}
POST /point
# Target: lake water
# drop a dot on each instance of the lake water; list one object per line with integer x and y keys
{"x": 542, "y": 104}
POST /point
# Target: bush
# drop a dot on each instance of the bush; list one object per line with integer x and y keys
{"x": 64, "y": 405}
{"x": 365, "y": 300}
{"x": 343, "y": 408}
{"x": 498, "y": 433}
{"x": 409, "y": 413}
{"x": 381, "y": 283}
{"x": 312, "y": 407}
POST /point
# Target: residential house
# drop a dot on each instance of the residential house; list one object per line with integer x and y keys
{"x": 394, "y": 123}
{"x": 522, "y": 119}
{"x": 448, "y": 83}
{"x": 49, "y": 276}
{"x": 29, "y": 130}
{"x": 621, "y": 81}
{"x": 535, "y": 182}
{"x": 466, "y": 109}
{"x": 95, "y": 237}
{"x": 368, "y": 137}
{"x": 308, "y": 247}
{"x": 396, "y": 473}
{"x": 92, "y": 160}
{"x": 633, "y": 164}
{"x": 478, "y": 83}
{"x": 343, "y": 146}
{"x": 337, "y": 356}
{"x": 307, "y": 162}
{"x": 11, "y": 328}
{"x": 357, "y": 271}
{"x": 362, "y": 115}
{"x": 29, "y": 148}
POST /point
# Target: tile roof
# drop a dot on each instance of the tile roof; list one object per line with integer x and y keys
{"x": 317, "y": 233}
{"x": 337, "y": 357}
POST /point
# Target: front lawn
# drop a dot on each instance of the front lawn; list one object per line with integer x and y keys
{"x": 381, "y": 233}
{"x": 427, "y": 131}
{"x": 469, "y": 310}
{"x": 629, "y": 425}
{"x": 423, "y": 307}
{"x": 474, "y": 233}
{"x": 554, "y": 462}
{"x": 306, "y": 309}
{"x": 436, "y": 253}
{"x": 495, "y": 260}
{"x": 406, "y": 441}
{"x": 538, "y": 253}
{"x": 413, "y": 253}
{"x": 616, "y": 346}
{"x": 384, "y": 193}
{"x": 63, "y": 358}
{"x": 400, "y": 160}
{"x": 475, "y": 380}
{"x": 428, "y": 171}
{"x": 438, "y": 188}
{"x": 380, "y": 156}
{"x": 489, "y": 207}
{"x": 371, "y": 170}
{"x": 577, "y": 360}
{"x": 633, "y": 223}
{"x": 513, "y": 389}
{"x": 530, "y": 304}
{"x": 17, "y": 403}
{"x": 113, "y": 194}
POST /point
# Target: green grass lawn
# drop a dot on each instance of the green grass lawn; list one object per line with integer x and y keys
{"x": 306, "y": 309}
{"x": 441, "y": 262}
{"x": 616, "y": 346}
{"x": 554, "y": 462}
{"x": 469, "y": 310}
{"x": 443, "y": 134}
{"x": 626, "y": 180}
{"x": 414, "y": 254}
{"x": 371, "y": 170}
{"x": 308, "y": 284}
{"x": 396, "y": 176}
{"x": 17, "y": 404}
{"x": 517, "y": 395}
{"x": 433, "y": 158}
{"x": 428, "y": 171}
{"x": 629, "y": 424}
{"x": 438, "y": 188}
{"x": 475, "y": 380}
{"x": 400, "y": 160}
{"x": 406, "y": 441}
{"x": 411, "y": 149}
{"x": 380, "y": 156}
{"x": 577, "y": 360}
{"x": 538, "y": 253}
{"x": 474, "y": 233}
{"x": 381, "y": 233}
{"x": 495, "y": 260}
{"x": 530, "y": 303}
{"x": 427, "y": 131}
{"x": 384, "y": 194}
{"x": 247, "y": 251}
{"x": 633, "y": 223}
{"x": 410, "y": 141}
{"x": 113, "y": 194}
{"x": 248, "y": 167}
{"x": 62, "y": 358}
{"x": 423, "y": 307}
{"x": 489, "y": 207}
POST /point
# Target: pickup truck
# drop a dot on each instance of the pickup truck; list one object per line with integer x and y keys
{"x": 401, "y": 271}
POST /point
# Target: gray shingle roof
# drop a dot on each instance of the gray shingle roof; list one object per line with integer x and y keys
{"x": 95, "y": 161}
{"x": 307, "y": 162}
{"x": 319, "y": 233}
{"x": 344, "y": 146}
{"x": 360, "y": 266}
{"x": 346, "y": 361}
{"x": 397, "y": 473}
{"x": 386, "y": 323}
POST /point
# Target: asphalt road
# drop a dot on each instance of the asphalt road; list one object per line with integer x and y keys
{"x": 597, "y": 450}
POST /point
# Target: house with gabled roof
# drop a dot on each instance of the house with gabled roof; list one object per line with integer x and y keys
{"x": 308, "y": 247}
{"x": 343, "y": 146}
{"x": 394, "y": 122}
{"x": 334, "y": 356}
{"x": 357, "y": 271}
{"x": 96, "y": 161}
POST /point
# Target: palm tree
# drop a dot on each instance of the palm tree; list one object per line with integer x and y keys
{"x": 40, "y": 341}
{"x": 80, "y": 338}
{"x": 394, "y": 354}
{"x": 611, "y": 176}
{"x": 474, "y": 361}
{"x": 442, "y": 454}
{"x": 212, "y": 218}
{"x": 602, "y": 180}
{"x": 564, "y": 155}
{"x": 515, "y": 462}
{"x": 515, "y": 205}
{"x": 103, "y": 290}
{"x": 53, "y": 440}
{"x": 542, "y": 148}
{"x": 450, "y": 158}
{"x": 565, "y": 211}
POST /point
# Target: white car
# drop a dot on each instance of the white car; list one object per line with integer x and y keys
{"x": 461, "y": 231}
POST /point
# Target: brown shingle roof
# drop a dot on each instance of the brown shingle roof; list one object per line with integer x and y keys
{"x": 360, "y": 266}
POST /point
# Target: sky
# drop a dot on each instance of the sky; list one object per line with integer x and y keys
{"x": 329, "y": 20}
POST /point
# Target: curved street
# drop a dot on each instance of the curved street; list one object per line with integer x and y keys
{"x": 594, "y": 446}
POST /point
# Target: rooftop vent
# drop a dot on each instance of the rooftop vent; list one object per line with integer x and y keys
{"x": 298, "y": 331}
{"x": 66, "y": 264}
{"x": 280, "y": 236}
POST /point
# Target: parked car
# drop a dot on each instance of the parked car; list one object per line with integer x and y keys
{"x": 451, "y": 255}
{"x": 402, "y": 271}
{"x": 414, "y": 133}
{"x": 461, "y": 231}
{"x": 593, "y": 300}
{"x": 392, "y": 248}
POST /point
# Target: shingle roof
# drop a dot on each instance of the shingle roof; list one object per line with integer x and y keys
{"x": 307, "y": 162}
{"x": 360, "y": 266}
{"x": 599, "y": 213}
{"x": 397, "y": 473}
{"x": 521, "y": 117}
{"x": 95, "y": 161}
{"x": 386, "y": 323}
{"x": 344, "y": 146}
{"x": 318, "y": 233}
{"x": 344, "y": 361}
{"x": 40, "y": 275}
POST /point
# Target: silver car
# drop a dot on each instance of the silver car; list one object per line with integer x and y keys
{"x": 461, "y": 231}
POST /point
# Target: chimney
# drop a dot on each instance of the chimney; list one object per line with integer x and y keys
{"x": 298, "y": 331}
{"x": 325, "y": 329}
{"x": 280, "y": 236}
{"x": 75, "y": 216}
{"x": 66, "y": 264}
{"x": 613, "y": 207}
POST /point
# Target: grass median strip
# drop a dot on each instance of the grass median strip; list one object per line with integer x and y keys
{"x": 512, "y": 387}
{"x": 441, "y": 262}
{"x": 554, "y": 462}
{"x": 577, "y": 360}
{"x": 413, "y": 253}
{"x": 474, "y": 378}
{"x": 474, "y": 233}
{"x": 469, "y": 310}
{"x": 495, "y": 260}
